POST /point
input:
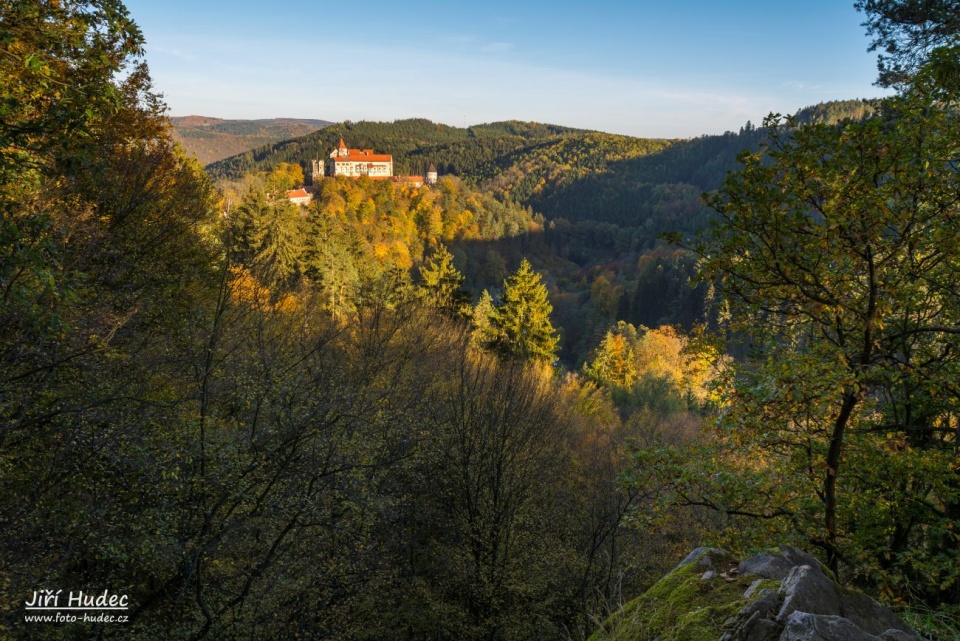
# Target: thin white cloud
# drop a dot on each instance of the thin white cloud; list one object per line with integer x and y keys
{"x": 456, "y": 84}
{"x": 457, "y": 39}
{"x": 489, "y": 63}
{"x": 469, "y": 43}
{"x": 799, "y": 85}
{"x": 180, "y": 54}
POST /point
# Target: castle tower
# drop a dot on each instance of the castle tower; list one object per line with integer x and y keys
{"x": 317, "y": 172}
{"x": 431, "y": 175}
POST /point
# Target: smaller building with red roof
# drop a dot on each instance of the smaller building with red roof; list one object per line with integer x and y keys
{"x": 299, "y": 196}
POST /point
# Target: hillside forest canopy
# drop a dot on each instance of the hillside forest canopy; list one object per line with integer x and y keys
{"x": 495, "y": 408}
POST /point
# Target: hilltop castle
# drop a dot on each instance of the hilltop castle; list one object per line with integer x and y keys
{"x": 365, "y": 162}
{"x": 359, "y": 162}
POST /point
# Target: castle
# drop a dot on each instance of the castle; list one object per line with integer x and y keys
{"x": 359, "y": 162}
{"x": 365, "y": 162}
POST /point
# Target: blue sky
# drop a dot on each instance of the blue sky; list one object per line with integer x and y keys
{"x": 654, "y": 69}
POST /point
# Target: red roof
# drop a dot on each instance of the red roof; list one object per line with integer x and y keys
{"x": 366, "y": 155}
{"x": 396, "y": 179}
{"x": 358, "y": 155}
{"x": 298, "y": 193}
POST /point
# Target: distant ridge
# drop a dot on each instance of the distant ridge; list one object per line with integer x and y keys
{"x": 560, "y": 172}
{"x": 475, "y": 152}
{"x": 211, "y": 139}
{"x": 837, "y": 111}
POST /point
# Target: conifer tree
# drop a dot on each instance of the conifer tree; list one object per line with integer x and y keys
{"x": 483, "y": 333}
{"x": 267, "y": 236}
{"x": 521, "y": 324}
{"x": 279, "y": 241}
{"x": 442, "y": 282}
{"x": 245, "y": 222}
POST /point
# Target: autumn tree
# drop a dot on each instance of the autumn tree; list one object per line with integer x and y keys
{"x": 284, "y": 176}
{"x": 656, "y": 368}
{"x": 614, "y": 362}
{"x": 605, "y": 295}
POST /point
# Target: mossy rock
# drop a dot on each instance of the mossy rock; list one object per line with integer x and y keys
{"x": 684, "y": 606}
{"x": 710, "y": 598}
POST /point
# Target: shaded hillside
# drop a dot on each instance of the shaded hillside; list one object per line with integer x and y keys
{"x": 660, "y": 191}
{"x": 212, "y": 139}
{"x": 630, "y": 182}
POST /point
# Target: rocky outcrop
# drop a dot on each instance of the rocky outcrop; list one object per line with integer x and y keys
{"x": 781, "y": 595}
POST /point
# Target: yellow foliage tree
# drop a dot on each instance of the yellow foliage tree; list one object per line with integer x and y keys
{"x": 629, "y": 357}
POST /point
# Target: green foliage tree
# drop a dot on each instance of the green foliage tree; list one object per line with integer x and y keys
{"x": 838, "y": 250}
{"x": 332, "y": 262}
{"x": 108, "y": 252}
{"x": 521, "y": 322}
{"x": 279, "y": 244}
{"x": 443, "y": 282}
{"x": 496, "y": 428}
{"x": 245, "y": 223}
{"x": 59, "y": 63}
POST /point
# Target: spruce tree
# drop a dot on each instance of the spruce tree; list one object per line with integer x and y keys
{"x": 442, "y": 282}
{"x": 482, "y": 321}
{"x": 279, "y": 243}
{"x": 521, "y": 324}
{"x": 268, "y": 238}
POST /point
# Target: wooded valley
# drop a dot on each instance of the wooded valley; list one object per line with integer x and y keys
{"x": 495, "y": 408}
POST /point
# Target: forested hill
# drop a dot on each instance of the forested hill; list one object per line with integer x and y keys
{"x": 837, "y": 111}
{"x": 213, "y": 139}
{"x": 414, "y": 144}
{"x": 560, "y": 172}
